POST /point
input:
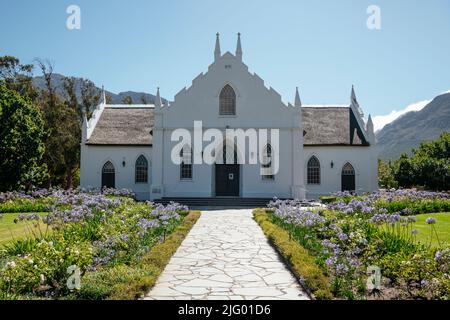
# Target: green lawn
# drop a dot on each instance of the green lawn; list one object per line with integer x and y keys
{"x": 10, "y": 230}
{"x": 442, "y": 227}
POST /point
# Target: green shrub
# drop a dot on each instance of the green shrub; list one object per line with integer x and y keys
{"x": 25, "y": 205}
{"x": 328, "y": 199}
{"x": 45, "y": 265}
{"x": 415, "y": 206}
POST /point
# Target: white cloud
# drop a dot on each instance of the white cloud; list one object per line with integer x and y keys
{"x": 380, "y": 121}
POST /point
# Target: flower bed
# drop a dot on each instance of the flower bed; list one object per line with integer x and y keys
{"x": 355, "y": 236}
{"x": 91, "y": 231}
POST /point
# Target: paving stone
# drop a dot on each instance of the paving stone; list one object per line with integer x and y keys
{"x": 226, "y": 256}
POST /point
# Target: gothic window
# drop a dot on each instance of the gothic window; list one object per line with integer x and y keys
{"x": 141, "y": 170}
{"x": 313, "y": 172}
{"x": 186, "y": 163}
{"x": 227, "y": 101}
{"x": 267, "y": 163}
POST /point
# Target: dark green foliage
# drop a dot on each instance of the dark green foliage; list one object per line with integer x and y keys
{"x": 60, "y": 117}
{"x": 428, "y": 167}
{"x": 21, "y": 145}
{"x": 386, "y": 177}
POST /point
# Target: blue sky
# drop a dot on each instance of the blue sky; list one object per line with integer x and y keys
{"x": 321, "y": 46}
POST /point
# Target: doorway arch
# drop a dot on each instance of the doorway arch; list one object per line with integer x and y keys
{"x": 108, "y": 175}
{"x": 348, "y": 182}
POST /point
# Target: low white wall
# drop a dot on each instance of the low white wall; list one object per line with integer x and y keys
{"x": 94, "y": 157}
{"x": 363, "y": 160}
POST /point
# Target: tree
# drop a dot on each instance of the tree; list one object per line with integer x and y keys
{"x": 127, "y": 100}
{"x": 21, "y": 145}
{"x": 431, "y": 162}
{"x": 404, "y": 173}
{"x": 386, "y": 177}
{"x": 62, "y": 123}
{"x": 429, "y": 165}
{"x": 144, "y": 99}
{"x": 90, "y": 96}
{"x": 17, "y": 76}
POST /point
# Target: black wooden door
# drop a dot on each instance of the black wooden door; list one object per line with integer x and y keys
{"x": 348, "y": 182}
{"x": 108, "y": 180}
{"x": 227, "y": 180}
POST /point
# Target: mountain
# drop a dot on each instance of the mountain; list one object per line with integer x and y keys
{"x": 409, "y": 130}
{"x": 57, "y": 80}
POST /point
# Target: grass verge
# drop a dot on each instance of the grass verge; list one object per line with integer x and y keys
{"x": 299, "y": 260}
{"x": 427, "y": 236}
{"x": 9, "y": 230}
{"x": 130, "y": 282}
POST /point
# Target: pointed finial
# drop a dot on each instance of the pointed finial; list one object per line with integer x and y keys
{"x": 158, "y": 102}
{"x": 369, "y": 124}
{"x": 239, "y": 48}
{"x": 297, "y": 102}
{"x": 353, "y": 97}
{"x": 103, "y": 96}
{"x": 217, "y": 53}
{"x": 370, "y": 130}
{"x": 354, "y": 102}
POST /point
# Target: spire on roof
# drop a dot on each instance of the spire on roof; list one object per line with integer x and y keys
{"x": 369, "y": 123}
{"x": 239, "y": 48}
{"x": 103, "y": 96}
{"x": 297, "y": 102}
{"x": 370, "y": 130}
{"x": 353, "y": 97}
{"x": 217, "y": 53}
{"x": 84, "y": 127}
{"x": 354, "y": 102}
{"x": 158, "y": 102}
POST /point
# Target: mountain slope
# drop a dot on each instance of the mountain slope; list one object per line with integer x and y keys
{"x": 57, "y": 79}
{"x": 409, "y": 130}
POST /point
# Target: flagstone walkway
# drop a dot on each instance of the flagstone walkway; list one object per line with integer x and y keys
{"x": 226, "y": 256}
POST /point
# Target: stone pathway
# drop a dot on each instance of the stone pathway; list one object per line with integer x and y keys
{"x": 226, "y": 256}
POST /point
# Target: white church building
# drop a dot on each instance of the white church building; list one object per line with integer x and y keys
{"x": 321, "y": 149}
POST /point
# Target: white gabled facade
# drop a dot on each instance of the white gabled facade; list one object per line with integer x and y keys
{"x": 256, "y": 107}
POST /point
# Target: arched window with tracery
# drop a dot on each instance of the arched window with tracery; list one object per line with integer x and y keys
{"x": 186, "y": 163}
{"x": 313, "y": 171}
{"x": 227, "y": 101}
{"x": 267, "y": 172}
{"x": 141, "y": 170}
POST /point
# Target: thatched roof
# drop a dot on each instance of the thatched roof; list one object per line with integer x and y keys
{"x": 326, "y": 125}
{"x": 132, "y": 126}
{"x": 124, "y": 126}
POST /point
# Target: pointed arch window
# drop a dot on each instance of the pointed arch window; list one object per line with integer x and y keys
{"x": 141, "y": 170}
{"x": 186, "y": 163}
{"x": 313, "y": 171}
{"x": 266, "y": 166}
{"x": 227, "y": 101}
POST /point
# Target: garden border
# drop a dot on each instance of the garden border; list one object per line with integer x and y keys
{"x": 297, "y": 258}
{"x": 151, "y": 264}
